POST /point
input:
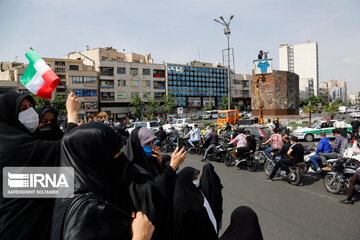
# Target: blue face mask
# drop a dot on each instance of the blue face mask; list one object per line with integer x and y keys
{"x": 148, "y": 151}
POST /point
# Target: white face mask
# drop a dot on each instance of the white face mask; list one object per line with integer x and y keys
{"x": 196, "y": 182}
{"x": 30, "y": 119}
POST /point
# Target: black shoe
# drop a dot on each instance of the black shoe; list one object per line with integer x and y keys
{"x": 269, "y": 179}
{"x": 347, "y": 201}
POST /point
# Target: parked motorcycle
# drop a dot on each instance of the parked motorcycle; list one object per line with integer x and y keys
{"x": 338, "y": 179}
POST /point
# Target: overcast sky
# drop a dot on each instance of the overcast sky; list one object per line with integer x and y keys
{"x": 177, "y": 31}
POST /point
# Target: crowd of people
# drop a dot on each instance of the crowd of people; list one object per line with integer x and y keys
{"x": 124, "y": 188}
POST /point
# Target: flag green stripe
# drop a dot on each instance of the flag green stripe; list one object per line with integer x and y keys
{"x": 29, "y": 74}
{"x": 32, "y": 56}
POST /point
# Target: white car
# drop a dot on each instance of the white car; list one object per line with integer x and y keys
{"x": 178, "y": 124}
{"x": 313, "y": 132}
{"x": 153, "y": 125}
{"x": 355, "y": 114}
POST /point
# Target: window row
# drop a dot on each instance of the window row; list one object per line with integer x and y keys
{"x": 171, "y": 83}
{"x": 85, "y": 93}
{"x": 173, "y": 74}
{"x": 83, "y": 79}
{"x": 89, "y": 106}
{"x": 199, "y": 69}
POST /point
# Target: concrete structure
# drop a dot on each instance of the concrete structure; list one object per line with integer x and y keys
{"x": 196, "y": 84}
{"x": 280, "y": 94}
{"x": 352, "y": 98}
{"x": 324, "y": 93}
{"x": 78, "y": 77}
{"x": 303, "y": 60}
{"x": 241, "y": 90}
{"x": 122, "y": 76}
{"x": 336, "y": 89}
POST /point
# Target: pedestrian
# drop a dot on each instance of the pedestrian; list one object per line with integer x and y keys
{"x": 244, "y": 225}
{"x": 210, "y": 186}
{"x": 151, "y": 181}
{"x": 193, "y": 216}
{"x": 104, "y": 209}
{"x": 27, "y": 218}
{"x": 340, "y": 125}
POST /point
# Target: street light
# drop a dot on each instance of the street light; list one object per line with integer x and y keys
{"x": 227, "y": 33}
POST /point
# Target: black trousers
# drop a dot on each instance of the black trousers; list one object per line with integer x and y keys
{"x": 355, "y": 134}
{"x": 284, "y": 163}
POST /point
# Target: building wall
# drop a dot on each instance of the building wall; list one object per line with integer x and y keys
{"x": 241, "y": 90}
{"x": 279, "y": 94}
{"x": 305, "y": 63}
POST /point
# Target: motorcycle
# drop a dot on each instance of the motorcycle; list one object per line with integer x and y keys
{"x": 294, "y": 177}
{"x": 165, "y": 146}
{"x": 338, "y": 179}
{"x": 218, "y": 153}
{"x": 249, "y": 161}
{"x": 192, "y": 150}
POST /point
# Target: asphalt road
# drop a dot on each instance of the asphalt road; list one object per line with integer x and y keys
{"x": 285, "y": 211}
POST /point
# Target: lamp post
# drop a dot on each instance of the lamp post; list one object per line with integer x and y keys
{"x": 227, "y": 33}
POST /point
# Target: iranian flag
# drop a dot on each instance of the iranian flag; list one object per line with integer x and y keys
{"x": 39, "y": 78}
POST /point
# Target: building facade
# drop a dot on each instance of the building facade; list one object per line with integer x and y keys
{"x": 279, "y": 94}
{"x": 302, "y": 59}
{"x": 241, "y": 90}
{"x": 197, "y": 84}
{"x": 122, "y": 76}
{"x": 336, "y": 89}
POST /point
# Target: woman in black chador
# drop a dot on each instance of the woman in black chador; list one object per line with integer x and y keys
{"x": 193, "y": 217}
{"x": 101, "y": 207}
{"x": 26, "y": 218}
{"x": 151, "y": 179}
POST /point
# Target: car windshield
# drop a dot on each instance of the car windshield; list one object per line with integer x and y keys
{"x": 154, "y": 124}
{"x": 222, "y": 115}
{"x": 315, "y": 125}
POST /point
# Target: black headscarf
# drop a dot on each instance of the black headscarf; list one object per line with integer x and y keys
{"x": 90, "y": 150}
{"x": 210, "y": 186}
{"x": 191, "y": 220}
{"x": 244, "y": 225}
{"x": 48, "y": 131}
{"x": 20, "y": 217}
{"x": 9, "y": 108}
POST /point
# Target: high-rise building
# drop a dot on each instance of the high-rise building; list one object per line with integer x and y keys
{"x": 241, "y": 90}
{"x": 336, "y": 89}
{"x": 303, "y": 60}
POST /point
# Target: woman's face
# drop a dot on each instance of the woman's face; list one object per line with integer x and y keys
{"x": 151, "y": 143}
{"x": 48, "y": 118}
{"x": 196, "y": 177}
{"x": 25, "y": 105}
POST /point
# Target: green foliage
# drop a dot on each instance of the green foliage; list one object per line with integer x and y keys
{"x": 40, "y": 101}
{"x": 310, "y": 109}
{"x": 169, "y": 106}
{"x": 207, "y": 123}
{"x": 331, "y": 109}
{"x": 59, "y": 103}
{"x": 304, "y": 102}
{"x": 207, "y": 108}
{"x": 137, "y": 106}
{"x": 338, "y": 102}
{"x": 224, "y": 103}
{"x": 153, "y": 105}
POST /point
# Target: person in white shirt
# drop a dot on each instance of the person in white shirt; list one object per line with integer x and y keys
{"x": 270, "y": 124}
{"x": 341, "y": 126}
{"x": 194, "y": 136}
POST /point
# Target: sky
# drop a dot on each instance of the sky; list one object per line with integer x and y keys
{"x": 183, "y": 31}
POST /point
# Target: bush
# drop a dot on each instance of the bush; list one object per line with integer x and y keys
{"x": 208, "y": 124}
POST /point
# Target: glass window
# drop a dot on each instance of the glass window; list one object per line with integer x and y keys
{"x": 59, "y": 63}
{"x": 59, "y": 69}
{"x": 134, "y": 83}
{"x": 146, "y": 71}
{"x": 61, "y": 76}
{"x": 77, "y": 79}
{"x": 89, "y": 80}
{"x": 89, "y": 105}
{"x": 133, "y": 94}
{"x": 121, "y": 94}
{"x": 103, "y": 58}
{"x": 74, "y": 67}
{"x": 222, "y": 115}
{"x": 134, "y": 71}
{"x": 146, "y": 83}
{"x": 154, "y": 124}
{"x": 121, "y": 83}
{"x": 159, "y": 73}
{"x": 107, "y": 71}
{"x": 121, "y": 70}
{"x": 147, "y": 94}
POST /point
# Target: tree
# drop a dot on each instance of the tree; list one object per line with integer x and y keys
{"x": 304, "y": 102}
{"x": 224, "y": 103}
{"x": 207, "y": 108}
{"x": 137, "y": 106}
{"x": 310, "y": 109}
{"x": 169, "y": 105}
{"x": 331, "y": 109}
{"x": 59, "y": 103}
{"x": 339, "y": 102}
{"x": 153, "y": 105}
{"x": 41, "y": 101}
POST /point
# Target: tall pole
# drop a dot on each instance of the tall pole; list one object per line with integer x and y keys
{"x": 229, "y": 74}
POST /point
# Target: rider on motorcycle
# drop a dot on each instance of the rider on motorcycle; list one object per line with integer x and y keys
{"x": 251, "y": 141}
{"x": 174, "y": 135}
{"x": 194, "y": 136}
{"x": 324, "y": 147}
{"x": 338, "y": 147}
{"x": 212, "y": 140}
{"x": 160, "y": 135}
{"x": 276, "y": 142}
{"x": 283, "y": 155}
{"x": 241, "y": 146}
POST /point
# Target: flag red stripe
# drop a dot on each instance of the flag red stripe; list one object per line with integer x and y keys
{"x": 51, "y": 80}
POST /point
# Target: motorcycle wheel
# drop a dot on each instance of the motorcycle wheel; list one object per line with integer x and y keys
{"x": 354, "y": 163}
{"x": 252, "y": 164}
{"x": 297, "y": 177}
{"x": 228, "y": 160}
{"x": 335, "y": 187}
{"x": 262, "y": 157}
{"x": 268, "y": 167}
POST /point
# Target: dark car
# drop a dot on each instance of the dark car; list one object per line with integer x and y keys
{"x": 261, "y": 133}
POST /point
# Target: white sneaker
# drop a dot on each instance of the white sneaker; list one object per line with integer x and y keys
{"x": 311, "y": 170}
{"x": 237, "y": 162}
{"x": 283, "y": 173}
{"x": 318, "y": 170}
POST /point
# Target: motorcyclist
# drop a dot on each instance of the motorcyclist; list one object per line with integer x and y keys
{"x": 160, "y": 135}
{"x": 174, "y": 135}
{"x": 251, "y": 141}
{"x": 338, "y": 146}
{"x": 355, "y": 124}
{"x": 276, "y": 142}
{"x": 212, "y": 140}
{"x": 282, "y": 154}
{"x": 324, "y": 147}
{"x": 194, "y": 136}
{"x": 241, "y": 146}
{"x": 228, "y": 127}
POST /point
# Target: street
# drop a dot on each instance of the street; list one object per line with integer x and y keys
{"x": 285, "y": 211}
